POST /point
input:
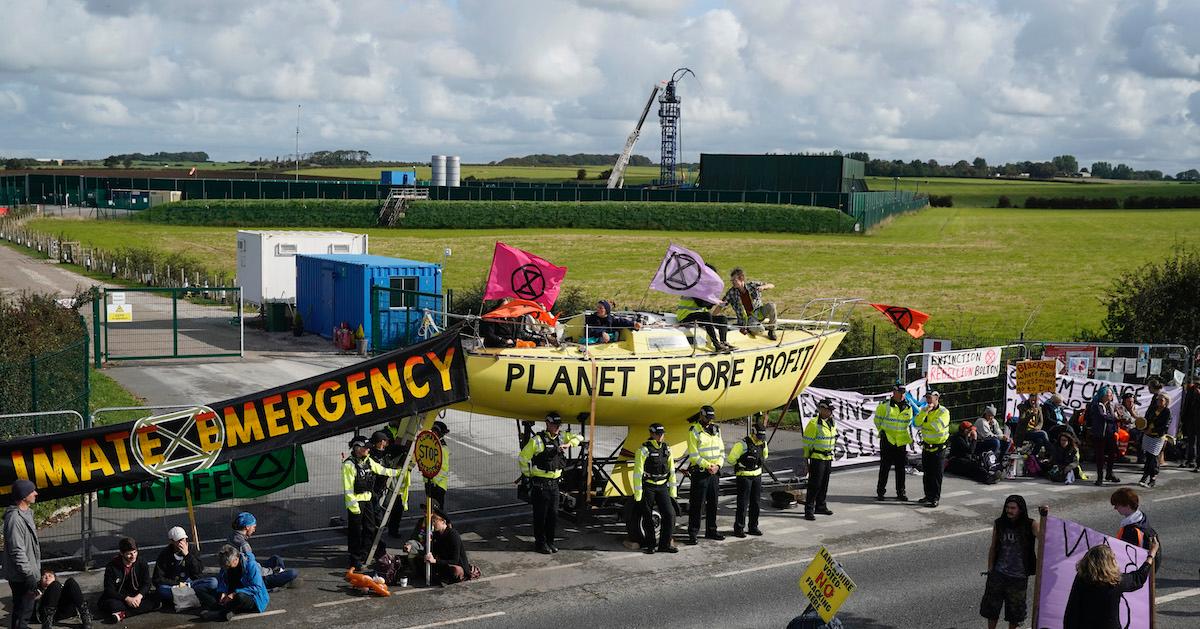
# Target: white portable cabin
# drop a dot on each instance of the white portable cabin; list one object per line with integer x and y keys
{"x": 266, "y": 260}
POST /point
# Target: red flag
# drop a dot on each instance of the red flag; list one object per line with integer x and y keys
{"x": 521, "y": 274}
{"x": 906, "y": 319}
{"x": 519, "y": 308}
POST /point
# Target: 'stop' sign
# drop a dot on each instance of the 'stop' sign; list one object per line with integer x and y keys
{"x": 427, "y": 450}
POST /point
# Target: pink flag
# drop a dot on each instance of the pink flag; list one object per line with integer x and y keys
{"x": 521, "y": 274}
{"x": 683, "y": 273}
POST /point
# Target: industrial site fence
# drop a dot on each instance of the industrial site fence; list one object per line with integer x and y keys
{"x": 142, "y": 323}
{"x": 305, "y": 483}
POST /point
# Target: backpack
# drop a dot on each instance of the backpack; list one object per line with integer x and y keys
{"x": 1032, "y": 467}
{"x": 990, "y": 468}
{"x": 1148, "y": 533}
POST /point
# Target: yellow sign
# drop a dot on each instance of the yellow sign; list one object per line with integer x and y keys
{"x": 826, "y": 585}
{"x": 1036, "y": 376}
{"x": 428, "y": 453}
{"x": 120, "y": 312}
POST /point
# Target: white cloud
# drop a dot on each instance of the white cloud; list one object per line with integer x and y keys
{"x": 906, "y": 79}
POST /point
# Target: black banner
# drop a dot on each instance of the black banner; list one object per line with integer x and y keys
{"x": 411, "y": 380}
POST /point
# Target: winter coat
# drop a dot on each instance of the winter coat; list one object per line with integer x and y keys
{"x": 117, "y": 587}
{"x": 250, "y": 584}
{"x": 171, "y": 571}
{"x": 22, "y": 553}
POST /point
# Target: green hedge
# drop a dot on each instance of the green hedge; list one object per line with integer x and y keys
{"x": 266, "y": 213}
{"x": 748, "y": 217}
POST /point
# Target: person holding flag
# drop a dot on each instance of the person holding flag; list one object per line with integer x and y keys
{"x": 683, "y": 272}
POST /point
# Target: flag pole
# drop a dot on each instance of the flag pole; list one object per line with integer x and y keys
{"x": 187, "y": 494}
{"x": 1044, "y": 512}
{"x": 587, "y": 488}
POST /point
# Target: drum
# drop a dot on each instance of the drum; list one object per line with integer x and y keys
{"x": 1152, "y": 445}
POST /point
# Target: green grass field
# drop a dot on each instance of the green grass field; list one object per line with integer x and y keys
{"x": 985, "y": 192}
{"x": 976, "y": 271}
{"x": 541, "y": 174}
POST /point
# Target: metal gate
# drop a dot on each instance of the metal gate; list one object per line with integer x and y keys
{"x": 191, "y": 322}
{"x": 1132, "y": 363}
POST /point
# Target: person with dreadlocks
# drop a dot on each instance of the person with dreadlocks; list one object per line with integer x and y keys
{"x": 1011, "y": 560}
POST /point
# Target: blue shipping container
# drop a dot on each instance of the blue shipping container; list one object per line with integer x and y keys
{"x": 398, "y": 177}
{"x": 334, "y": 288}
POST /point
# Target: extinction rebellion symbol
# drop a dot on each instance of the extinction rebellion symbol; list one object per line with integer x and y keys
{"x": 179, "y": 442}
{"x": 528, "y": 282}
{"x": 681, "y": 271}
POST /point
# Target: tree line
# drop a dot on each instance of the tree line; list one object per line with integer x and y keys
{"x": 126, "y": 159}
{"x": 1059, "y": 166}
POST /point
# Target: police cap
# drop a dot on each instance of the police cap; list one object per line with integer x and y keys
{"x": 826, "y": 404}
{"x": 378, "y": 436}
{"x": 359, "y": 441}
{"x": 553, "y": 418}
{"x": 708, "y": 413}
{"x": 657, "y": 429}
{"x": 441, "y": 428}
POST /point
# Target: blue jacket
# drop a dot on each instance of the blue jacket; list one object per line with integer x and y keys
{"x": 252, "y": 582}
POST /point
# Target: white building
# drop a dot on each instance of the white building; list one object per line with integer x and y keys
{"x": 266, "y": 260}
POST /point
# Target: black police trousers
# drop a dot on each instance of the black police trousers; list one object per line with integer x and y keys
{"x": 749, "y": 491}
{"x": 360, "y": 532}
{"x": 657, "y": 496}
{"x": 933, "y": 466}
{"x": 818, "y": 484}
{"x": 704, "y": 490}
{"x": 890, "y": 456}
{"x": 543, "y": 493}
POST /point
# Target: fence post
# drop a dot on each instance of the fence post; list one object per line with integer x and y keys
{"x": 95, "y": 327}
{"x": 175, "y": 321}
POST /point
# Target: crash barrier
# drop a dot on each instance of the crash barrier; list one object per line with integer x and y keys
{"x": 298, "y": 491}
{"x": 1129, "y": 363}
{"x": 967, "y": 398}
{"x": 165, "y": 322}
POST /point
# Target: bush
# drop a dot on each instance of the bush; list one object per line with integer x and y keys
{"x": 1004, "y": 201}
{"x": 1073, "y": 203}
{"x": 266, "y": 213}
{"x": 1155, "y": 303}
{"x": 943, "y": 200}
{"x": 1153, "y": 203}
{"x": 741, "y": 217}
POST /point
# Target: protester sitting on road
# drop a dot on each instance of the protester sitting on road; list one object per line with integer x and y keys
{"x": 1064, "y": 460}
{"x": 990, "y": 432}
{"x": 1095, "y": 599}
{"x": 59, "y": 600}
{"x": 1135, "y": 526}
{"x": 745, "y": 298}
{"x": 602, "y": 326}
{"x": 1158, "y": 422}
{"x": 1053, "y": 413}
{"x": 177, "y": 565}
{"x": 127, "y": 585}
{"x": 240, "y": 587}
{"x": 1031, "y": 427}
{"x": 963, "y": 446}
{"x": 1011, "y": 561}
{"x": 447, "y": 556}
{"x": 696, "y": 310}
{"x": 275, "y": 574}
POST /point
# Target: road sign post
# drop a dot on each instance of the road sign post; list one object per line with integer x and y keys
{"x": 427, "y": 450}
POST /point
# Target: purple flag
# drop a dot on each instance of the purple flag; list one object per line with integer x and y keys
{"x": 1066, "y": 542}
{"x": 683, "y": 273}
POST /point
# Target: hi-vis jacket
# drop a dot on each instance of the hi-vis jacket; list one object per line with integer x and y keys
{"x": 893, "y": 420}
{"x": 819, "y": 439}
{"x": 935, "y": 425}
{"x": 358, "y": 478}
{"x": 703, "y": 448}
{"x": 653, "y": 465}
{"x": 747, "y": 456}
{"x": 543, "y": 455}
{"x": 441, "y": 480}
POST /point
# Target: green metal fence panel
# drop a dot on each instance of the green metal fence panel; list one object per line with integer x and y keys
{"x": 402, "y": 317}
{"x": 53, "y": 381}
{"x": 146, "y": 323}
{"x": 871, "y": 208}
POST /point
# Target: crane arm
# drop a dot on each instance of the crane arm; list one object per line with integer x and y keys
{"x": 615, "y": 180}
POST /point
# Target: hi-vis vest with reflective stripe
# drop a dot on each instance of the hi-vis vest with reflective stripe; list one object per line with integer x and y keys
{"x": 935, "y": 425}
{"x": 653, "y": 465}
{"x": 543, "y": 456}
{"x": 893, "y": 420}
{"x": 687, "y": 307}
{"x": 819, "y": 439}
{"x": 705, "y": 449}
{"x": 358, "y": 478}
{"x": 747, "y": 456}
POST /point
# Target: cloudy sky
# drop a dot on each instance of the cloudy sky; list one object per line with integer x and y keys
{"x": 486, "y": 79}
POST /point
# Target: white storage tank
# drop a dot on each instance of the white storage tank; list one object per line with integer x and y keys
{"x": 453, "y": 171}
{"x": 266, "y": 260}
{"x": 439, "y": 170}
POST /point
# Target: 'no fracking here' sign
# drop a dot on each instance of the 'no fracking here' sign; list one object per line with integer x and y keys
{"x": 826, "y": 584}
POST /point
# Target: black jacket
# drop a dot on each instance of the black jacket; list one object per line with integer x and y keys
{"x": 448, "y": 549}
{"x": 171, "y": 571}
{"x": 117, "y": 587}
{"x": 1097, "y": 605}
{"x": 1189, "y": 415}
{"x": 1158, "y": 421}
{"x": 610, "y": 323}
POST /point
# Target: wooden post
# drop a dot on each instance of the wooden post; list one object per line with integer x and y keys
{"x": 1043, "y": 511}
{"x": 428, "y": 537}
{"x": 187, "y": 495}
{"x": 587, "y": 488}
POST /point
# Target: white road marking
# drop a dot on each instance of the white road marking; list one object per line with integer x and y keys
{"x": 1168, "y": 498}
{"x": 996, "y": 487}
{"x": 559, "y": 567}
{"x": 955, "y": 494}
{"x": 249, "y": 616}
{"x": 1177, "y": 595}
{"x": 343, "y": 601}
{"x": 856, "y": 552}
{"x": 469, "y": 446}
{"x": 887, "y": 515}
{"x": 494, "y": 578}
{"x": 1062, "y": 488}
{"x": 456, "y": 621}
{"x": 979, "y": 501}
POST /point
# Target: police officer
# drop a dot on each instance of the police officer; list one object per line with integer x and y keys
{"x": 542, "y": 462}
{"x": 934, "y": 422}
{"x": 358, "y": 481}
{"x": 379, "y": 452}
{"x": 654, "y": 486}
{"x": 706, "y": 452}
{"x": 820, "y": 436}
{"x": 892, "y": 418}
{"x": 747, "y": 457}
{"x": 397, "y": 430}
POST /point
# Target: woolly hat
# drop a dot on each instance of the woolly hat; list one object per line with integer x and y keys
{"x": 243, "y": 520}
{"x": 21, "y": 488}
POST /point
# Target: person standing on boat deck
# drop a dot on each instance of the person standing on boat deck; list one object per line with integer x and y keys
{"x": 706, "y": 452}
{"x": 892, "y": 418}
{"x": 820, "y": 437}
{"x": 745, "y": 298}
{"x": 747, "y": 457}
{"x": 542, "y": 461}
{"x": 654, "y": 480}
{"x": 602, "y": 326}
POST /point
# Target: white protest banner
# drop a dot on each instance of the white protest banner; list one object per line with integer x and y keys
{"x": 1066, "y": 543}
{"x": 853, "y": 414}
{"x": 960, "y": 366}
{"x": 1077, "y": 392}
